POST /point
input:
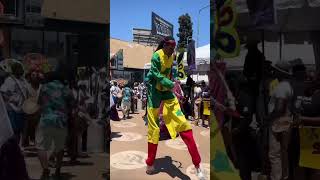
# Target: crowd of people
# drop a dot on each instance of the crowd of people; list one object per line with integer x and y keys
{"x": 126, "y": 97}
{"x": 273, "y": 102}
{"x": 131, "y": 97}
{"x": 45, "y": 109}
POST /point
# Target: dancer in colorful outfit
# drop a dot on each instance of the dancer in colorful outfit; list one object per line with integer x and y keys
{"x": 160, "y": 90}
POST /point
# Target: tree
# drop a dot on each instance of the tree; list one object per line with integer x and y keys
{"x": 185, "y": 31}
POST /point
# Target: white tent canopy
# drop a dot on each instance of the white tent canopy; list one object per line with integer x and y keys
{"x": 289, "y": 52}
{"x": 203, "y": 52}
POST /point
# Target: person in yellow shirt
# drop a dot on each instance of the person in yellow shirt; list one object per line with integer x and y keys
{"x": 160, "y": 88}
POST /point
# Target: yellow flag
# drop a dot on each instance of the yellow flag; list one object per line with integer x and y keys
{"x": 310, "y": 147}
{"x": 221, "y": 166}
{"x": 226, "y": 39}
{"x": 181, "y": 72}
{"x": 206, "y": 107}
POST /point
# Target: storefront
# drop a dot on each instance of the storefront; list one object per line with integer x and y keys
{"x": 65, "y": 39}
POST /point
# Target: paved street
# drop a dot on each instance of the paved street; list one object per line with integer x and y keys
{"x": 93, "y": 167}
{"x": 129, "y": 151}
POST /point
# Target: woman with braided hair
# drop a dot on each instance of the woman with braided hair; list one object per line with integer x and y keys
{"x": 160, "y": 88}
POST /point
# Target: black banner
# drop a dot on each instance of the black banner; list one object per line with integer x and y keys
{"x": 191, "y": 56}
{"x": 160, "y": 26}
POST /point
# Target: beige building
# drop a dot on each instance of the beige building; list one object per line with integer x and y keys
{"x": 128, "y": 59}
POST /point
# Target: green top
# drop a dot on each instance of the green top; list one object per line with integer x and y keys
{"x": 160, "y": 71}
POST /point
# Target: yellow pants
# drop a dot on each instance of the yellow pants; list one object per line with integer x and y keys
{"x": 173, "y": 117}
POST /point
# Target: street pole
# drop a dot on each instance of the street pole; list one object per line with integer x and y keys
{"x": 188, "y": 38}
{"x": 199, "y": 23}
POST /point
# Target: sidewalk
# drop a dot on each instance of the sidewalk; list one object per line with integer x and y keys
{"x": 129, "y": 151}
{"x": 93, "y": 167}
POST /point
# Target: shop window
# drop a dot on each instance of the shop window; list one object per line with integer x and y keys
{"x": 8, "y": 8}
{"x": 22, "y": 44}
{"x": 33, "y": 6}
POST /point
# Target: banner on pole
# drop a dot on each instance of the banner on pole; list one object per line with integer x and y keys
{"x": 226, "y": 41}
{"x": 181, "y": 73}
{"x": 191, "y": 56}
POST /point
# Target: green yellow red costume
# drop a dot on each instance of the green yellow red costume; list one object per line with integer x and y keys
{"x": 160, "y": 90}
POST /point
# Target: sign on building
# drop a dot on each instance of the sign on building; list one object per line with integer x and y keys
{"x": 160, "y": 26}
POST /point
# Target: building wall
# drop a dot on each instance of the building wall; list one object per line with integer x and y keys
{"x": 94, "y": 11}
{"x": 69, "y": 43}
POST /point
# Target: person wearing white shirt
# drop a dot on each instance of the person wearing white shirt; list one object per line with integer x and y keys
{"x": 14, "y": 92}
{"x": 197, "y": 98}
{"x": 281, "y": 121}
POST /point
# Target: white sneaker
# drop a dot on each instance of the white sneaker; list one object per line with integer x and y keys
{"x": 200, "y": 174}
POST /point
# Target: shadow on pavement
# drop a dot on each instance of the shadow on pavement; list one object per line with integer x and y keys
{"x": 64, "y": 176}
{"x": 77, "y": 163}
{"x": 115, "y": 135}
{"x": 166, "y": 165}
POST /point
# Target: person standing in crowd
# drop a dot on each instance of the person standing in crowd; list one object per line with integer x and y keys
{"x": 34, "y": 86}
{"x": 197, "y": 101}
{"x": 243, "y": 139}
{"x": 115, "y": 90}
{"x": 136, "y": 96}
{"x": 113, "y": 105}
{"x": 190, "y": 84}
{"x": 253, "y": 72}
{"x": 55, "y": 101}
{"x": 204, "y": 96}
{"x": 126, "y": 101}
{"x": 15, "y": 91}
{"x": 73, "y": 134}
{"x": 310, "y": 116}
{"x": 144, "y": 96}
{"x": 12, "y": 163}
{"x": 299, "y": 86}
{"x": 280, "y": 119}
{"x": 161, "y": 91}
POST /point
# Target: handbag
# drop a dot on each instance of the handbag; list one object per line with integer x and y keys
{"x": 119, "y": 95}
{"x": 30, "y": 106}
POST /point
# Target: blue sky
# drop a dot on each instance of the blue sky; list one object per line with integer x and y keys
{"x": 128, "y": 14}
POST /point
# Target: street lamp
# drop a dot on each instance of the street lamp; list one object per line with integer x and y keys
{"x": 188, "y": 39}
{"x": 199, "y": 23}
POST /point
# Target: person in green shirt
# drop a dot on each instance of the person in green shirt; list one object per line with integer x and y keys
{"x": 160, "y": 88}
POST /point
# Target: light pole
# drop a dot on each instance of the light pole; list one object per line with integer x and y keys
{"x": 199, "y": 23}
{"x": 188, "y": 38}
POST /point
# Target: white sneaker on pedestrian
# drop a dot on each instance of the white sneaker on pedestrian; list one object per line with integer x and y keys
{"x": 200, "y": 174}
